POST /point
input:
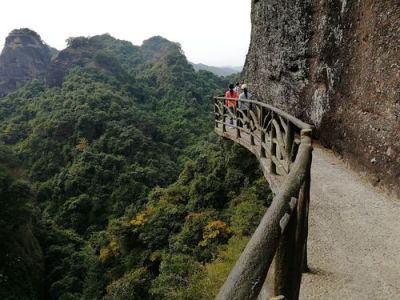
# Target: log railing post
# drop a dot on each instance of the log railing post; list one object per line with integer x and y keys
{"x": 286, "y": 260}
{"x": 302, "y": 230}
{"x": 262, "y": 133}
{"x": 252, "y": 130}
{"x": 236, "y": 112}
{"x": 215, "y": 112}
{"x": 304, "y": 205}
{"x": 224, "y": 112}
{"x": 289, "y": 139}
{"x": 290, "y": 258}
{"x": 252, "y": 142}
{"x": 272, "y": 149}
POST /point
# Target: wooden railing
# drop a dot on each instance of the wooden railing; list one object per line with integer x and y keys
{"x": 283, "y": 146}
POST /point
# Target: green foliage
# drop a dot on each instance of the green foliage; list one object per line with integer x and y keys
{"x": 180, "y": 234}
{"x": 246, "y": 216}
{"x": 134, "y": 285}
{"x": 206, "y": 283}
{"x": 175, "y": 273}
{"x": 248, "y": 208}
{"x": 20, "y": 255}
{"x": 14, "y": 200}
{"x": 15, "y": 195}
{"x": 188, "y": 239}
{"x": 132, "y": 196}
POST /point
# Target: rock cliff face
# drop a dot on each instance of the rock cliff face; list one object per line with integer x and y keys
{"x": 79, "y": 53}
{"x": 335, "y": 63}
{"x": 25, "y": 57}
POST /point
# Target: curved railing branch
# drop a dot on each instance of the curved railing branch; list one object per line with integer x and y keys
{"x": 283, "y": 146}
{"x": 294, "y": 120}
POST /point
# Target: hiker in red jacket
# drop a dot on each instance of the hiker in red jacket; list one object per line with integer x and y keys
{"x": 231, "y": 104}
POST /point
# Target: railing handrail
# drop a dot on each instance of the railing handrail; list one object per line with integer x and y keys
{"x": 272, "y": 136}
{"x": 247, "y": 277}
{"x": 299, "y": 123}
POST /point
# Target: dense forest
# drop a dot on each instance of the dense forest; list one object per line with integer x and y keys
{"x": 112, "y": 184}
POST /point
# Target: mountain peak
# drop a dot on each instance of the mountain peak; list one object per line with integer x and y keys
{"x": 25, "y": 57}
{"x": 157, "y": 47}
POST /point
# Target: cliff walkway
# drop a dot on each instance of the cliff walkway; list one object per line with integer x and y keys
{"x": 354, "y": 240}
{"x": 353, "y": 249}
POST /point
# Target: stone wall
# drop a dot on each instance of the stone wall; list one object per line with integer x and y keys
{"x": 336, "y": 64}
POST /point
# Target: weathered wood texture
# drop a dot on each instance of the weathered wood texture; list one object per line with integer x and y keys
{"x": 283, "y": 146}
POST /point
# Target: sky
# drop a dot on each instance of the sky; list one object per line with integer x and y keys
{"x": 213, "y": 32}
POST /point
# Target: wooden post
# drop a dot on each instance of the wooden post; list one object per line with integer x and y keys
{"x": 236, "y": 112}
{"x": 215, "y": 112}
{"x": 262, "y": 133}
{"x": 290, "y": 258}
{"x": 286, "y": 261}
{"x": 224, "y": 111}
{"x": 307, "y": 187}
{"x": 305, "y": 268}
{"x": 252, "y": 142}
{"x": 302, "y": 217}
{"x": 272, "y": 166}
{"x": 289, "y": 143}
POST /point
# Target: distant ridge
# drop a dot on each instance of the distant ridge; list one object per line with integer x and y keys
{"x": 220, "y": 71}
{"x": 26, "y": 57}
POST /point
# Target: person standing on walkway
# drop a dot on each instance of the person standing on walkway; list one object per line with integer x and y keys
{"x": 237, "y": 88}
{"x": 244, "y": 106}
{"x": 231, "y": 104}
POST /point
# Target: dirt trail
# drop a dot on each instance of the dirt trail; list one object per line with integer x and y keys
{"x": 354, "y": 236}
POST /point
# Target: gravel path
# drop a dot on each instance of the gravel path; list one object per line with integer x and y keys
{"x": 354, "y": 236}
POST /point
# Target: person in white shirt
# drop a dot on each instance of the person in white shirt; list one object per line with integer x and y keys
{"x": 237, "y": 88}
{"x": 244, "y": 106}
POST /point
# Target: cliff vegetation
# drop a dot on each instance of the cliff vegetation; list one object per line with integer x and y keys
{"x": 118, "y": 190}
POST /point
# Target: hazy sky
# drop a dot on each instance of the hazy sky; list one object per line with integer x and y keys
{"x": 214, "y": 32}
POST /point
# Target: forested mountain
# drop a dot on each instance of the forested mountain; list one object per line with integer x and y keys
{"x": 220, "y": 71}
{"x": 112, "y": 185}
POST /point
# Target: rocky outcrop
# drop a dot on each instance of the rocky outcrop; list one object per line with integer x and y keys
{"x": 334, "y": 63}
{"x": 24, "y": 57}
{"x": 79, "y": 53}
